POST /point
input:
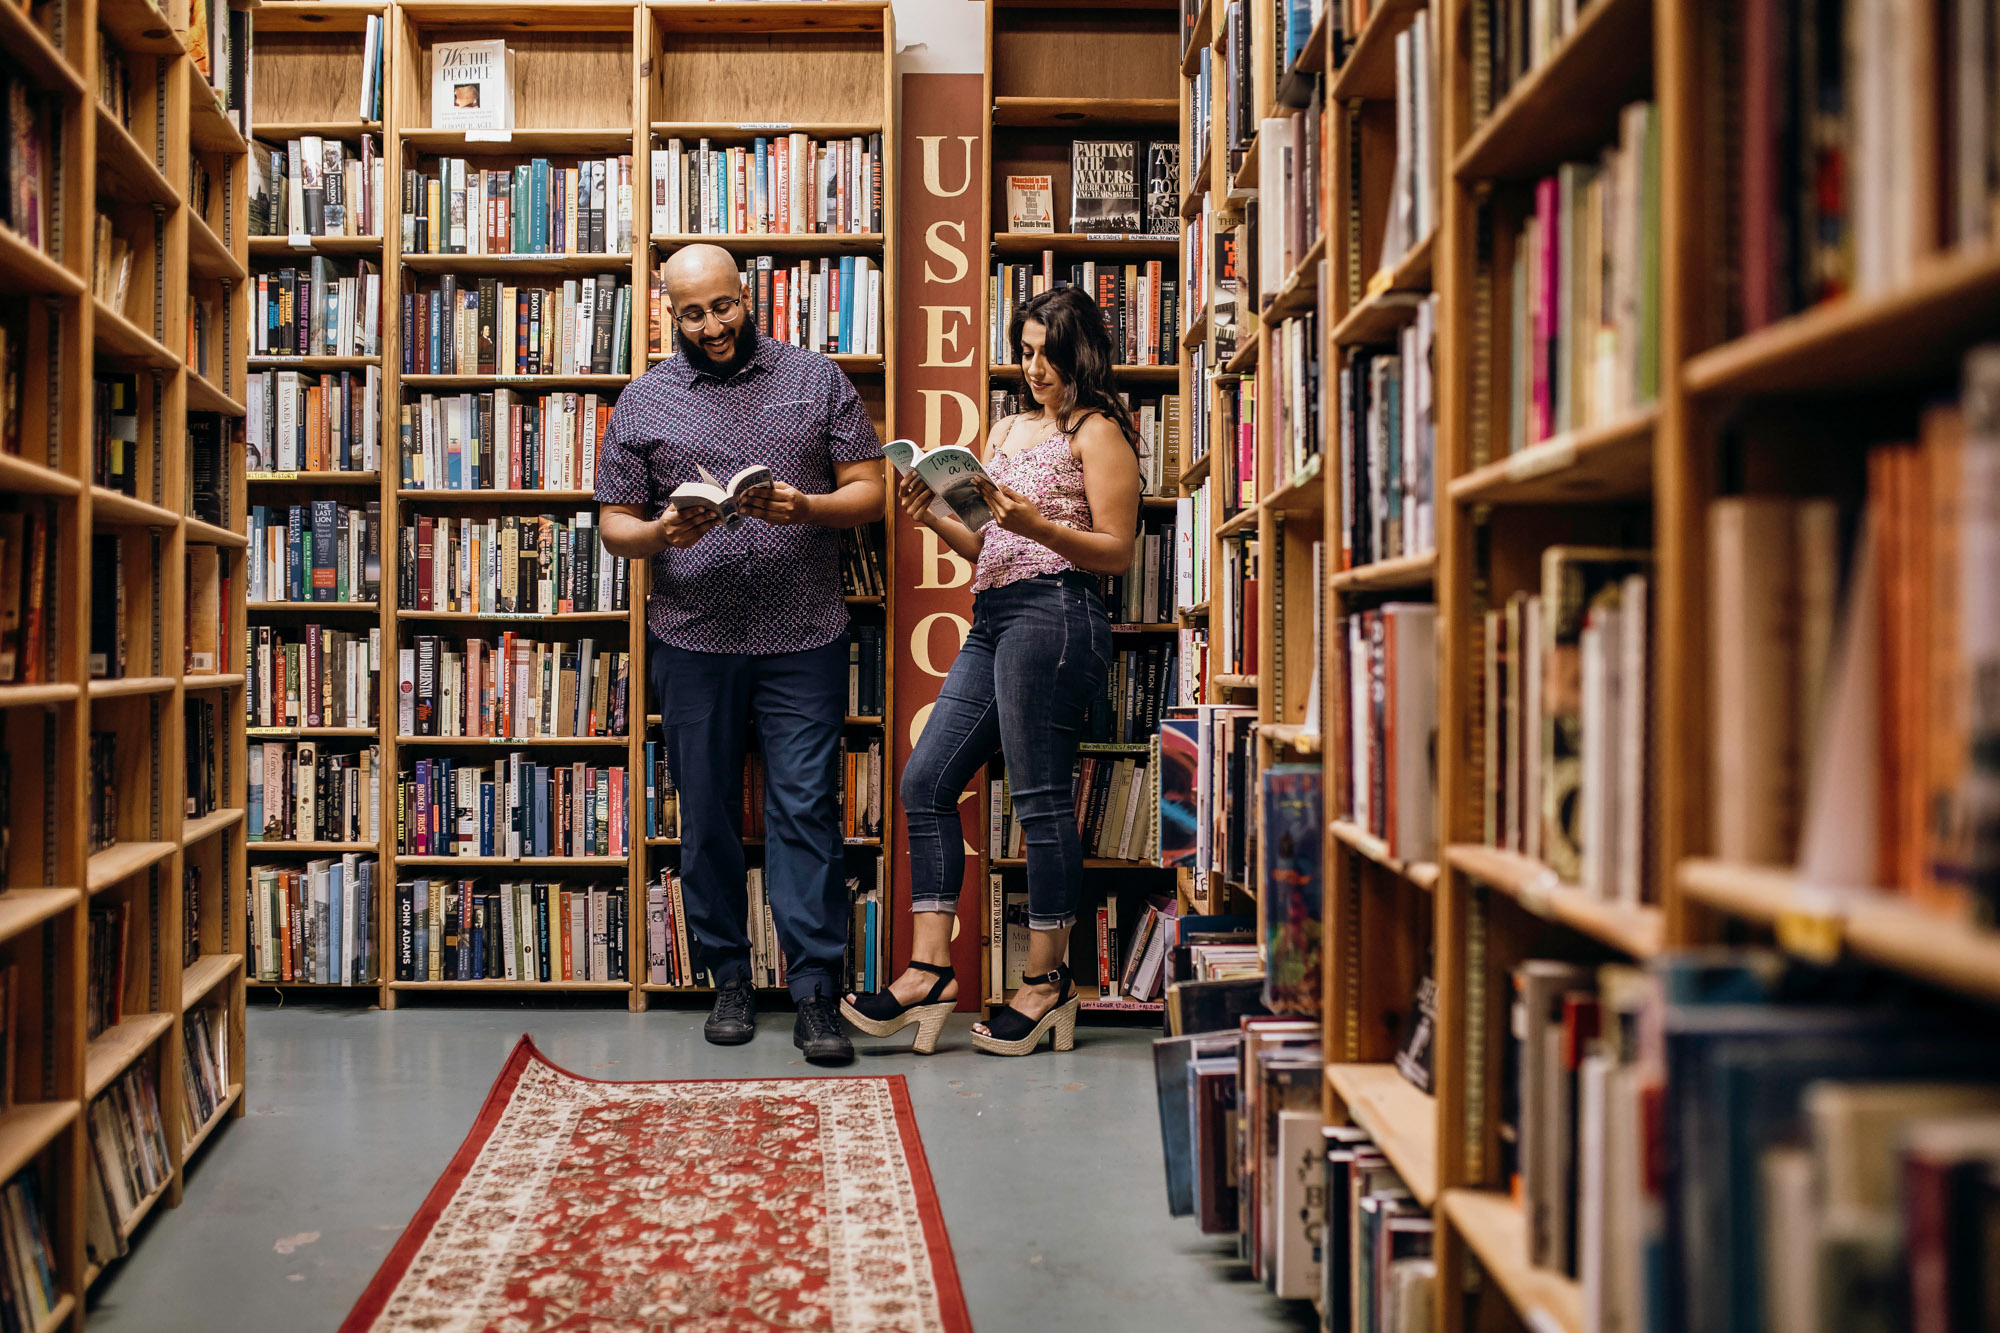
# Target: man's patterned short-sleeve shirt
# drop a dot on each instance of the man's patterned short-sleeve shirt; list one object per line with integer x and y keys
{"x": 759, "y": 589}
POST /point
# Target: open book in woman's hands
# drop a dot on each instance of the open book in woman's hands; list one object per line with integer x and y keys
{"x": 951, "y": 471}
{"x": 724, "y": 501}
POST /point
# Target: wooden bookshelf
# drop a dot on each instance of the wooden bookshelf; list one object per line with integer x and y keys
{"x": 1053, "y": 76}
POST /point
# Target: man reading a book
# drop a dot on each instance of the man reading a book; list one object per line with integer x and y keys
{"x": 748, "y": 626}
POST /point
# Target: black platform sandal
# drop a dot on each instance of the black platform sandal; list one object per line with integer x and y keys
{"x": 1014, "y": 1033}
{"x": 881, "y": 1014}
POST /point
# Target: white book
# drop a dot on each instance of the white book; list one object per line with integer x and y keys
{"x": 1300, "y": 1209}
{"x": 470, "y": 87}
{"x": 1132, "y": 839}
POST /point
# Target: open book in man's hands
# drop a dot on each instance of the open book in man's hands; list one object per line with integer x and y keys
{"x": 725, "y": 501}
{"x": 950, "y": 471}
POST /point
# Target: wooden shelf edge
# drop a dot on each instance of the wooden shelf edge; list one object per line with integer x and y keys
{"x": 207, "y": 826}
{"x": 122, "y": 860}
{"x": 1609, "y": 461}
{"x": 1423, "y": 874}
{"x": 1639, "y": 931}
{"x": 1497, "y": 1232}
{"x": 28, "y": 1127}
{"x": 208, "y": 972}
{"x": 215, "y": 1119}
{"x": 1397, "y": 1115}
{"x": 1410, "y": 572}
{"x": 24, "y": 909}
{"x": 113, "y": 1050}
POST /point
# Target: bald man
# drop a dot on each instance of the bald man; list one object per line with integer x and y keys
{"x": 748, "y": 623}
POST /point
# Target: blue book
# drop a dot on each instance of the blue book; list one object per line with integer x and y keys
{"x": 253, "y": 801}
{"x": 436, "y": 336}
{"x": 1292, "y": 844}
{"x": 869, "y": 933}
{"x": 652, "y": 796}
{"x": 1180, "y": 772}
{"x": 760, "y": 197}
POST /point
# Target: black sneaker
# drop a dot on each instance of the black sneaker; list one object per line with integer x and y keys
{"x": 733, "y": 1020}
{"x": 818, "y": 1032}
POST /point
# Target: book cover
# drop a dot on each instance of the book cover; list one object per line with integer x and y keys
{"x": 1030, "y": 204}
{"x": 469, "y": 86}
{"x": 1163, "y": 188}
{"x": 1292, "y": 888}
{"x": 1105, "y": 186}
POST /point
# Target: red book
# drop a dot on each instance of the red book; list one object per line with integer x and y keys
{"x": 617, "y": 821}
{"x": 1251, "y": 633}
{"x": 426, "y": 539}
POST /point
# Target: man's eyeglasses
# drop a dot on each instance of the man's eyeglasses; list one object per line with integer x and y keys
{"x": 723, "y": 310}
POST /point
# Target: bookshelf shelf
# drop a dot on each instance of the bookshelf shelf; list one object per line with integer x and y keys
{"x": 111, "y": 508}
{"x": 494, "y": 497}
{"x": 553, "y": 862}
{"x": 204, "y": 396}
{"x": 525, "y": 143}
{"x": 316, "y": 608}
{"x": 1496, "y": 1229}
{"x": 224, "y": 681}
{"x": 208, "y": 257}
{"x": 1423, "y": 874}
{"x": 20, "y": 474}
{"x": 125, "y": 172}
{"x": 1292, "y": 736}
{"x": 368, "y": 479}
{"x": 750, "y": 130}
{"x": 37, "y": 696}
{"x": 1884, "y": 928}
{"x": 551, "y": 618}
{"x": 36, "y": 57}
{"x": 501, "y": 984}
{"x": 288, "y": 848}
{"x": 1301, "y": 494}
{"x": 1610, "y": 462}
{"x": 1860, "y": 341}
{"x": 1086, "y": 112}
{"x": 127, "y": 687}
{"x": 205, "y": 975}
{"x": 1638, "y": 931}
{"x": 1402, "y": 1120}
{"x": 1089, "y": 863}
{"x": 209, "y": 127}
{"x": 1405, "y": 573}
{"x": 1168, "y": 374}
{"x": 29, "y": 1127}
{"x": 777, "y": 243}
{"x": 122, "y": 860}
{"x": 305, "y": 247}
{"x": 145, "y": 1206}
{"x": 315, "y": 16}
{"x": 1245, "y": 359}
{"x": 279, "y": 131}
{"x": 520, "y": 268}
{"x": 1193, "y": 472}
{"x": 122, "y": 342}
{"x": 24, "y": 268}
{"x": 1369, "y": 72}
{"x": 207, "y": 826}
{"x": 1379, "y": 316}
{"x": 1239, "y": 683}
{"x": 139, "y": 26}
{"x": 532, "y": 742}
{"x": 1300, "y": 291}
{"x": 1568, "y": 103}
{"x": 1145, "y": 629}
{"x": 24, "y": 909}
{"x": 1085, "y": 245}
{"x": 1244, "y": 520}
{"x": 454, "y": 383}
{"x": 115, "y": 1048}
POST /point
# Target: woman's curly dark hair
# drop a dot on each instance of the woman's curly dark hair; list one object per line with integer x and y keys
{"x": 1077, "y": 345}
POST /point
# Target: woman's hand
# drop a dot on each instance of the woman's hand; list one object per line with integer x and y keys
{"x": 1012, "y": 510}
{"x": 916, "y": 497}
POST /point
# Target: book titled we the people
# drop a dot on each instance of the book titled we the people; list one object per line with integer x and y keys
{"x": 472, "y": 88}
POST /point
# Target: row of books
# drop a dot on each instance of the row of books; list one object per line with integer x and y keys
{"x": 513, "y": 687}
{"x": 1144, "y": 595}
{"x": 129, "y": 1162}
{"x": 1193, "y": 531}
{"x": 498, "y": 328}
{"x": 512, "y": 807}
{"x": 104, "y": 988}
{"x": 297, "y": 422}
{"x": 311, "y": 676}
{"x": 322, "y": 551}
{"x": 1235, "y": 466}
{"x": 114, "y": 432}
{"x": 1861, "y": 139}
{"x": 1568, "y": 747}
{"x": 204, "y": 1067}
{"x": 1291, "y": 157}
{"x": 193, "y": 877}
{"x": 503, "y": 440}
{"x": 24, "y": 204}
{"x": 1849, "y": 730}
{"x": 517, "y": 564}
{"x": 111, "y": 266}
{"x": 831, "y": 305}
{"x": 1583, "y": 305}
{"x": 1114, "y": 800}
{"x": 302, "y": 791}
{"x": 867, "y": 670}
{"x": 553, "y": 932}
{"x": 536, "y": 208}
{"x": 201, "y": 733}
{"x": 1135, "y": 692}
{"x": 1140, "y": 304}
{"x": 108, "y": 637}
{"x": 864, "y": 776}
{"x": 114, "y": 82}
{"x": 862, "y": 553}
{"x": 1208, "y": 790}
{"x": 318, "y": 310}
{"x": 1386, "y": 677}
{"x": 1121, "y": 187}
{"x": 1237, "y": 55}
{"x": 1232, "y": 620}
{"x": 316, "y": 186}
{"x": 1158, "y": 421}
{"x": 28, "y": 1288}
{"x": 28, "y": 596}
{"x": 785, "y": 185}
{"x": 316, "y": 924}
{"x": 1388, "y": 446}
{"x": 1297, "y": 434}
{"x": 672, "y": 958}
{"x": 102, "y": 814}
{"x": 1414, "y": 183}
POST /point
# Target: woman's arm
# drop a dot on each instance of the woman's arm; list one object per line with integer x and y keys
{"x": 1110, "y": 483}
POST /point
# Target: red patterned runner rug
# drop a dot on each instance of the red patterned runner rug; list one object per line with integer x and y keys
{"x": 694, "y": 1206}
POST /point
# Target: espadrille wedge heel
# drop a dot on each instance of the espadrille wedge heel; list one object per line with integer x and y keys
{"x": 1011, "y": 1032}
{"x": 881, "y": 1014}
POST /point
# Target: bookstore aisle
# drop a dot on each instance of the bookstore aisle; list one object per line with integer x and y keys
{"x": 1047, "y": 1169}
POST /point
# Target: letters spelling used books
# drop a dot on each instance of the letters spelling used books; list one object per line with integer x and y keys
{"x": 725, "y": 500}
{"x": 951, "y": 472}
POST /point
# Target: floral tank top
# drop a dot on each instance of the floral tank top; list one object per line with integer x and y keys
{"x": 1050, "y": 475}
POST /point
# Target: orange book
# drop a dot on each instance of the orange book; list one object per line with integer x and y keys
{"x": 1948, "y": 741}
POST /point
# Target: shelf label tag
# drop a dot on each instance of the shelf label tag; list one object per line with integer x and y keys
{"x": 1111, "y": 236}
{"x": 764, "y": 125}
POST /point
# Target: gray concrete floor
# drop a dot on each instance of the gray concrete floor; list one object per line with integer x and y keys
{"x": 1048, "y": 1168}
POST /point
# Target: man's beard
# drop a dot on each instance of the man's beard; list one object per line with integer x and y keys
{"x": 746, "y": 343}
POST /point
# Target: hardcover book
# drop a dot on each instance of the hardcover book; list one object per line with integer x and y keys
{"x": 1292, "y": 888}
{"x": 1104, "y": 186}
{"x": 471, "y": 87}
{"x": 1163, "y": 188}
{"x": 1030, "y": 204}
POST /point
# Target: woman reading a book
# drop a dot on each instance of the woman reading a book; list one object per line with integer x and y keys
{"x": 1063, "y": 486}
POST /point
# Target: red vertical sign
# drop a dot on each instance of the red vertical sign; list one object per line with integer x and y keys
{"x": 941, "y": 300}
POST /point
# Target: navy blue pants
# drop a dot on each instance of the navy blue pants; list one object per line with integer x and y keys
{"x": 799, "y": 702}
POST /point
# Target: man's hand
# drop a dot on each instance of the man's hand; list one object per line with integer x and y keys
{"x": 778, "y": 504}
{"x": 680, "y": 531}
